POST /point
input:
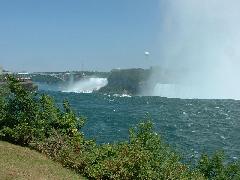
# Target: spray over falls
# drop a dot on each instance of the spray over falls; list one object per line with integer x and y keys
{"x": 87, "y": 85}
{"x": 200, "y": 40}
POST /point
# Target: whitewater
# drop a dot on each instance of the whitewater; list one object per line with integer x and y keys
{"x": 86, "y": 85}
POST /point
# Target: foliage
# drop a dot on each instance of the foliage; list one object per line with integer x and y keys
{"x": 215, "y": 167}
{"x": 145, "y": 156}
{"x": 26, "y": 117}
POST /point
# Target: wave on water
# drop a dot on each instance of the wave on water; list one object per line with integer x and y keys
{"x": 87, "y": 85}
{"x": 121, "y": 95}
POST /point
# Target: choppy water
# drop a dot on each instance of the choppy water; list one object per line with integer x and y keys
{"x": 191, "y": 126}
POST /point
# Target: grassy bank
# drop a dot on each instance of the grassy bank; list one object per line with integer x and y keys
{"x": 17, "y": 162}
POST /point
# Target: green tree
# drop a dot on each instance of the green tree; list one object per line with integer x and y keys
{"x": 216, "y": 168}
{"x": 26, "y": 116}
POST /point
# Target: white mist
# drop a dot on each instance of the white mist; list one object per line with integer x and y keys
{"x": 200, "y": 40}
{"x": 87, "y": 85}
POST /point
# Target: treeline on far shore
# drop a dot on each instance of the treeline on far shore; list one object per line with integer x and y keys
{"x": 35, "y": 121}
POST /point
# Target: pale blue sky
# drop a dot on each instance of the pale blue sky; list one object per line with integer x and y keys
{"x": 59, "y": 35}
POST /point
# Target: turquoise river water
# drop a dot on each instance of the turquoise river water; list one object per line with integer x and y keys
{"x": 191, "y": 126}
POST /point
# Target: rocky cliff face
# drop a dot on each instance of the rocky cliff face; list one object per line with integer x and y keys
{"x": 126, "y": 81}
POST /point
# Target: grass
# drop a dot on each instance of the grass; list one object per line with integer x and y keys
{"x": 18, "y": 162}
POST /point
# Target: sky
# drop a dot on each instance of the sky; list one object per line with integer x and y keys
{"x": 61, "y": 35}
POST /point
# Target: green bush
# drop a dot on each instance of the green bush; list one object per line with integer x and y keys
{"x": 26, "y": 116}
{"x": 216, "y": 168}
{"x": 20, "y": 111}
{"x": 145, "y": 156}
{"x": 69, "y": 151}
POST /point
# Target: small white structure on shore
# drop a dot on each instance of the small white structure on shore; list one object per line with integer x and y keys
{"x": 23, "y": 76}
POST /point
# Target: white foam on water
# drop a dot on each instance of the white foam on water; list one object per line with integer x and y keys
{"x": 122, "y": 95}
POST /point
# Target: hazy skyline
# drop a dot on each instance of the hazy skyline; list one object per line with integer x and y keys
{"x": 53, "y": 35}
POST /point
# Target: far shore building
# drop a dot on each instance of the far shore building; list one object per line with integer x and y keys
{"x": 23, "y": 76}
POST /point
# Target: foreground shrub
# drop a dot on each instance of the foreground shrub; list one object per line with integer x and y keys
{"x": 70, "y": 151}
{"x": 145, "y": 156}
{"x": 216, "y": 168}
{"x": 26, "y": 116}
{"x": 20, "y": 112}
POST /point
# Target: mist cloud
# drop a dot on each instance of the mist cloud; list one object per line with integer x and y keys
{"x": 201, "y": 39}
